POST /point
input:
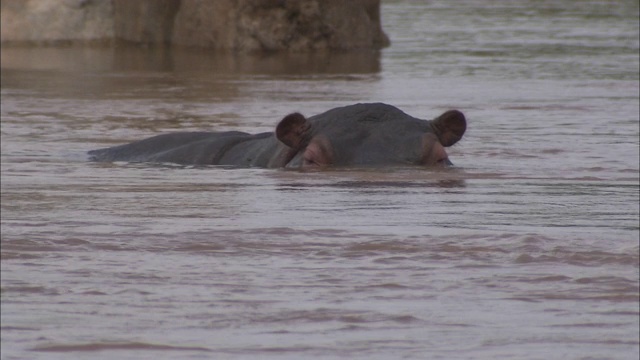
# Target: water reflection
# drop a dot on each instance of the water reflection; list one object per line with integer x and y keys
{"x": 184, "y": 76}
{"x": 133, "y": 58}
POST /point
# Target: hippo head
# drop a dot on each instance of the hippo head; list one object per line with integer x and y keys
{"x": 369, "y": 135}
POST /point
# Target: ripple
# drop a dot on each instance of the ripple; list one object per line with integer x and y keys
{"x": 102, "y": 346}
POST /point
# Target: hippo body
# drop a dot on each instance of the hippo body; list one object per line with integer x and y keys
{"x": 355, "y": 135}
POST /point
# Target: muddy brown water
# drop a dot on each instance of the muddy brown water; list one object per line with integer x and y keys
{"x": 528, "y": 249}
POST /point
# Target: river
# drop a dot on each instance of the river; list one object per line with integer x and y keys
{"x": 527, "y": 249}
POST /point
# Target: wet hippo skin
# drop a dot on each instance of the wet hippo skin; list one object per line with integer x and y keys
{"x": 356, "y": 135}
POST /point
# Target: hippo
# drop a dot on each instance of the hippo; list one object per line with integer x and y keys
{"x": 355, "y": 135}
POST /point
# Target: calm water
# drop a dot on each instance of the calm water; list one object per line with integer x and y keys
{"x": 527, "y": 250}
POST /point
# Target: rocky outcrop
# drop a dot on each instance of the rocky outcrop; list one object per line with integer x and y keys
{"x": 238, "y": 25}
{"x": 43, "y": 22}
{"x": 278, "y": 25}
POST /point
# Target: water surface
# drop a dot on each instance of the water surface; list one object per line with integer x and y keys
{"x": 527, "y": 249}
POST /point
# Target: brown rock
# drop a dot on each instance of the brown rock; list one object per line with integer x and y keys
{"x": 55, "y": 21}
{"x": 236, "y": 25}
{"x": 295, "y": 25}
{"x": 146, "y": 22}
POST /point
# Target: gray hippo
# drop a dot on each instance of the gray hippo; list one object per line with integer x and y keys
{"x": 355, "y": 135}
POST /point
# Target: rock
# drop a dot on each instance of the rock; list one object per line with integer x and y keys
{"x": 55, "y": 21}
{"x": 145, "y": 22}
{"x": 295, "y": 25}
{"x": 237, "y": 25}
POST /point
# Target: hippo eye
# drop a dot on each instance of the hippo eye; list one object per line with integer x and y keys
{"x": 444, "y": 161}
{"x": 308, "y": 161}
{"x": 317, "y": 154}
{"x": 434, "y": 153}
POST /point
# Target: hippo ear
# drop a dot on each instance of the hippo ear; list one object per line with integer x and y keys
{"x": 449, "y": 127}
{"x": 294, "y": 131}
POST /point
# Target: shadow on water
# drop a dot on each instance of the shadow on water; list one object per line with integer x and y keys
{"x": 362, "y": 180}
